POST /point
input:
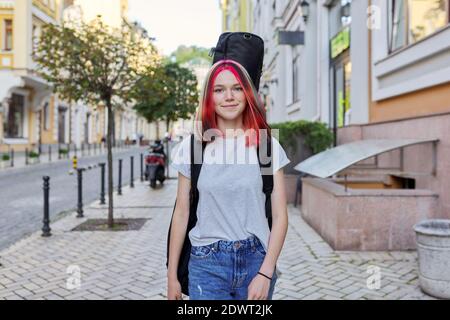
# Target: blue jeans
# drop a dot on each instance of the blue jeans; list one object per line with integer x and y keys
{"x": 223, "y": 270}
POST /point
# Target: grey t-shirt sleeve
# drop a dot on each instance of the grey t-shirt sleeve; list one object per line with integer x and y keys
{"x": 181, "y": 159}
{"x": 280, "y": 158}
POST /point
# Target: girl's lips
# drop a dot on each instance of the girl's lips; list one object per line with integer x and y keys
{"x": 230, "y": 106}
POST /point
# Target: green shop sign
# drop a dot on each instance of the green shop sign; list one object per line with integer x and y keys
{"x": 340, "y": 42}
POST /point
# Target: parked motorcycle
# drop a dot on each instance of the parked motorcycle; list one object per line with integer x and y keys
{"x": 155, "y": 163}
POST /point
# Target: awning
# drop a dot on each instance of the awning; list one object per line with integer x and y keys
{"x": 332, "y": 161}
{"x": 42, "y": 89}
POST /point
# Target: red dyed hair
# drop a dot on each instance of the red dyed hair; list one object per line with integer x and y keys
{"x": 254, "y": 115}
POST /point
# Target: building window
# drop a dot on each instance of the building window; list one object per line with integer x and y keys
{"x": 36, "y": 36}
{"x": 14, "y": 117}
{"x": 46, "y": 116}
{"x": 295, "y": 93}
{"x": 7, "y": 46}
{"x": 413, "y": 20}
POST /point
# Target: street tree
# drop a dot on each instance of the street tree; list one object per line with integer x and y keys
{"x": 95, "y": 64}
{"x": 168, "y": 93}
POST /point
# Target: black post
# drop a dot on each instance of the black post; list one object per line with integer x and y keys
{"x": 49, "y": 153}
{"x": 119, "y": 187}
{"x": 59, "y": 151}
{"x": 95, "y": 148}
{"x": 167, "y": 157}
{"x": 142, "y": 167}
{"x": 46, "y": 228}
{"x": 12, "y": 157}
{"x": 102, "y": 191}
{"x": 82, "y": 148}
{"x": 26, "y": 156}
{"x": 89, "y": 149}
{"x": 80, "y": 193}
{"x": 132, "y": 172}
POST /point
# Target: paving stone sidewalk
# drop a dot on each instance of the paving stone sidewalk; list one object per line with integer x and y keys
{"x": 131, "y": 264}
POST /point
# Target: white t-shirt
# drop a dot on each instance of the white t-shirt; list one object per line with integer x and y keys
{"x": 231, "y": 202}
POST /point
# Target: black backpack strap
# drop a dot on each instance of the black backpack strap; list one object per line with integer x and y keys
{"x": 195, "y": 169}
{"x": 267, "y": 180}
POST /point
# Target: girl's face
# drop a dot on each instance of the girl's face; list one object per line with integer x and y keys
{"x": 228, "y": 95}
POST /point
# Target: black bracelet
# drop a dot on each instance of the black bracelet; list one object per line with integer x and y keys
{"x": 265, "y": 276}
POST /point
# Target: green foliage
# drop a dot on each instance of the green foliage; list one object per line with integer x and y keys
{"x": 191, "y": 55}
{"x": 63, "y": 151}
{"x": 33, "y": 154}
{"x": 91, "y": 62}
{"x": 317, "y": 136}
{"x": 5, "y": 157}
{"x": 168, "y": 93}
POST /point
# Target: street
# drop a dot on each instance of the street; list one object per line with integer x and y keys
{"x": 21, "y": 194}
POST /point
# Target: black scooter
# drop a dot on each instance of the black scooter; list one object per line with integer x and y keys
{"x": 155, "y": 163}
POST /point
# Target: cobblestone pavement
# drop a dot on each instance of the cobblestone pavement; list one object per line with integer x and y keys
{"x": 21, "y": 193}
{"x": 131, "y": 265}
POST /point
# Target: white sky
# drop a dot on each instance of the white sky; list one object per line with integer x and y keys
{"x": 176, "y": 22}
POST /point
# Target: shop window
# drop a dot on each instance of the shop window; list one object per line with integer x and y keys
{"x": 14, "y": 117}
{"x": 8, "y": 44}
{"x": 46, "y": 116}
{"x": 413, "y": 20}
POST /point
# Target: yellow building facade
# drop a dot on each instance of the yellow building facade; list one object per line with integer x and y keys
{"x": 237, "y": 15}
{"x": 30, "y": 114}
{"x": 28, "y": 106}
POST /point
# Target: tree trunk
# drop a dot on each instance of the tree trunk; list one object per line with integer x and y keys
{"x": 157, "y": 129}
{"x": 110, "y": 164}
{"x": 113, "y": 129}
{"x": 167, "y": 124}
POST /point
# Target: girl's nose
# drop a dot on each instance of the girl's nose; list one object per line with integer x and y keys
{"x": 228, "y": 94}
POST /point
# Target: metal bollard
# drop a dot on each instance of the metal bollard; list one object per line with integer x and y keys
{"x": 74, "y": 162}
{"x": 142, "y": 167}
{"x": 82, "y": 149}
{"x": 46, "y": 228}
{"x": 89, "y": 149}
{"x": 59, "y": 151}
{"x": 167, "y": 157}
{"x": 26, "y": 156}
{"x": 49, "y": 153}
{"x": 80, "y": 194}
{"x": 132, "y": 172}
{"x": 119, "y": 187}
{"x": 102, "y": 183}
{"x": 12, "y": 157}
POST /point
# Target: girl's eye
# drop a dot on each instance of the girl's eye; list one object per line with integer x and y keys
{"x": 238, "y": 88}
{"x": 218, "y": 90}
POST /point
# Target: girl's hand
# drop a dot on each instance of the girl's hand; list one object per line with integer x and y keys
{"x": 258, "y": 288}
{"x": 174, "y": 290}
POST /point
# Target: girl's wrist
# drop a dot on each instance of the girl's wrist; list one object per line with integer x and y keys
{"x": 265, "y": 275}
